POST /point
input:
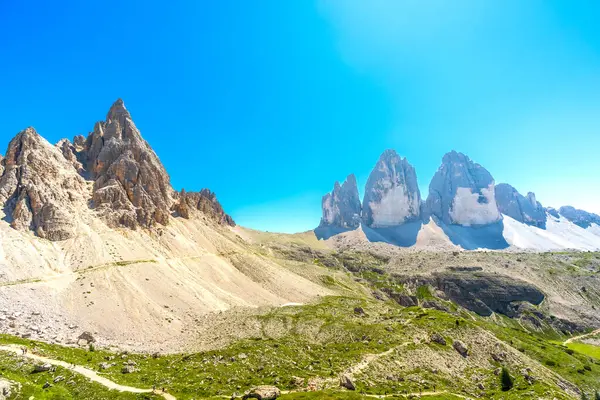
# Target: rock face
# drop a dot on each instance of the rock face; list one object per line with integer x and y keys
{"x": 581, "y": 218}
{"x": 341, "y": 207}
{"x": 392, "y": 195}
{"x": 69, "y": 151}
{"x": 481, "y": 292}
{"x": 523, "y": 209}
{"x": 40, "y": 189}
{"x": 462, "y": 193}
{"x": 131, "y": 186}
{"x": 204, "y": 201}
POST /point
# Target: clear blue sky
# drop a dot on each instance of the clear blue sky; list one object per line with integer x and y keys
{"x": 269, "y": 102}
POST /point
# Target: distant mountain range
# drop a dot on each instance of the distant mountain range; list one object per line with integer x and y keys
{"x": 464, "y": 202}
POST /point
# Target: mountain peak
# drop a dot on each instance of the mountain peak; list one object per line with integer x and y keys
{"x": 392, "y": 195}
{"x": 462, "y": 192}
{"x": 117, "y": 111}
{"x": 341, "y": 208}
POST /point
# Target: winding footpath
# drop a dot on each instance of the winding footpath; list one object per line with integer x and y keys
{"x": 88, "y": 373}
{"x": 596, "y": 332}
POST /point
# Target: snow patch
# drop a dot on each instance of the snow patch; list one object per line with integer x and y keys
{"x": 393, "y": 209}
{"x": 559, "y": 234}
{"x": 470, "y": 208}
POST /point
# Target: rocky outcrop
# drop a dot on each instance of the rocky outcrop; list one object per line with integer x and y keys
{"x": 204, "y": 201}
{"x": 1, "y": 165}
{"x": 341, "y": 208}
{"x": 480, "y": 292}
{"x": 392, "y": 195}
{"x": 523, "y": 209}
{"x": 553, "y": 212}
{"x": 69, "y": 152}
{"x": 39, "y": 188}
{"x": 131, "y": 186}
{"x": 580, "y": 218}
{"x": 462, "y": 193}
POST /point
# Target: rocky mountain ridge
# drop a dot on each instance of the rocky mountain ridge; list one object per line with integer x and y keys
{"x": 464, "y": 201}
{"x": 46, "y": 188}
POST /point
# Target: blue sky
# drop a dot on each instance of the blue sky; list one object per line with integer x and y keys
{"x": 268, "y": 103}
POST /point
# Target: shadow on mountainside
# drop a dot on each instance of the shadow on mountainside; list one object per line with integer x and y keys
{"x": 402, "y": 235}
{"x": 475, "y": 237}
{"x": 325, "y": 232}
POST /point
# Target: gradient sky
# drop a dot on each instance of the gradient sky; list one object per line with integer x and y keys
{"x": 267, "y": 103}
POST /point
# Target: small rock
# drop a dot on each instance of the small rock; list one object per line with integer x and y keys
{"x": 59, "y": 379}
{"x": 437, "y": 338}
{"x": 46, "y": 385}
{"x": 346, "y": 382}
{"x": 359, "y": 311}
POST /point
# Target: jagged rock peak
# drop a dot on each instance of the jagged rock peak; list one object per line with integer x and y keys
{"x": 203, "y": 201}
{"x": 392, "y": 195}
{"x": 579, "y": 217}
{"x": 462, "y": 192}
{"x": 131, "y": 186}
{"x": 523, "y": 209}
{"x": 341, "y": 208}
{"x": 39, "y": 188}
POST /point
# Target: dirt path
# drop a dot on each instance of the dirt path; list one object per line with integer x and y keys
{"x": 88, "y": 373}
{"x": 596, "y": 332}
{"x": 407, "y": 395}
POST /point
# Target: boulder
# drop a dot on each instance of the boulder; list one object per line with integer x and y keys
{"x": 461, "y": 348}
{"x": 128, "y": 369}
{"x": 346, "y": 382}
{"x": 86, "y": 337}
{"x": 264, "y": 392}
{"x": 42, "y": 367}
{"x": 392, "y": 195}
{"x": 437, "y": 338}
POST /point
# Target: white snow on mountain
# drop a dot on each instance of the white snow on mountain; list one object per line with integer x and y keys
{"x": 470, "y": 208}
{"x": 395, "y": 206}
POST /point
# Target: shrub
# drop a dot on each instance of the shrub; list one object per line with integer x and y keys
{"x": 506, "y": 381}
{"x": 551, "y": 363}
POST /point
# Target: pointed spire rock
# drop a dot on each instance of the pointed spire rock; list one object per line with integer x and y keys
{"x": 39, "y": 189}
{"x": 462, "y": 193}
{"x": 341, "y": 208}
{"x": 131, "y": 186}
{"x": 392, "y": 195}
{"x": 526, "y": 210}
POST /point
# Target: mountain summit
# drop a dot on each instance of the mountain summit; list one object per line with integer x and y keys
{"x": 43, "y": 187}
{"x": 462, "y": 192}
{"x": 392, "y": 195}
